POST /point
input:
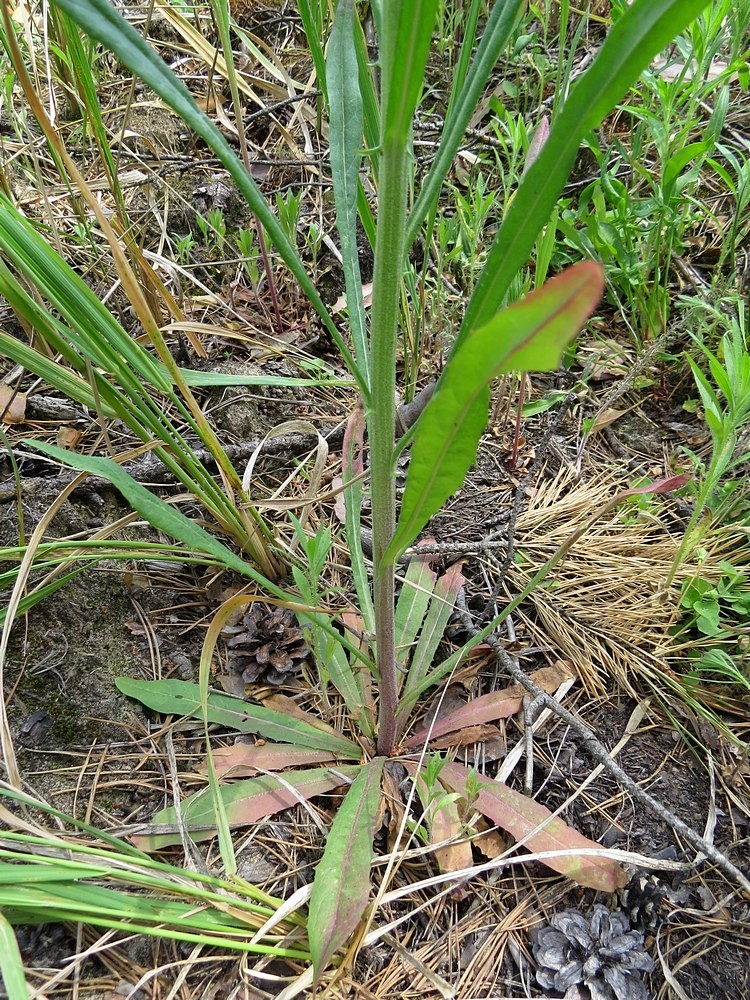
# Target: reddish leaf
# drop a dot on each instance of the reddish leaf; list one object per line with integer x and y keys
{"x": 519, "y": 815}
{"x": 489, "y": 707}
{"x": 658, "y": 486}
{"x": 245, "y": 760}
{"x": 341, "y": 889}
{"x": 467, "y": 736}
{"x": 245, "y": 802}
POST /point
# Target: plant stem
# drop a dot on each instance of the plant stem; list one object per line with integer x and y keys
{"x": 381, "y": 421}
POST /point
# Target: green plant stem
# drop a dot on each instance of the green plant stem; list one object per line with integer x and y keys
{"x": 381, "y": 420}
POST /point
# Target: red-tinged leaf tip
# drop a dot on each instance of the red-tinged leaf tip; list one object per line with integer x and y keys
{"x": 661, "y": 485}
{"x": 520, "y": 815}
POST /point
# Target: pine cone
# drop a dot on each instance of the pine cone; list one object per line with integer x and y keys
{"x": 265, "y": 645}
{"x": 599, "y": 952}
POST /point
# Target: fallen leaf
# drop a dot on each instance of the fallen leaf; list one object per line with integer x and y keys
{"x": 12, "y": 405}
{"x": 67, "y": 437}
{"x": 445, "y": 824}
{"x": 245, "y": 760}
{"x": 340, "y": 304}
{"x": 605, "y": 418}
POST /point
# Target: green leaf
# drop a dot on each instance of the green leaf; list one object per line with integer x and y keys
{"x": 405, "y": 44}
{"x": 416, "y": 590}
{"x": 346, "y": 131}
{"x": 441, "y": 607}
{"x": 331, "y": 657}
{"x": 173, "y": 697}
{"x": 310, "y": 15}
{"x": 245, "y": 802}
{"x": 341, "y": 889}
{"x": 159, "y": 514}
{"x": 645, "y": 28}
{"x": 11, "y": 963}
{"x": 529, "y": 336}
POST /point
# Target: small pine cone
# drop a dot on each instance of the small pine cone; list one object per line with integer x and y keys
{"x": 598, "y": 952}
{"x": 266, "y": 646}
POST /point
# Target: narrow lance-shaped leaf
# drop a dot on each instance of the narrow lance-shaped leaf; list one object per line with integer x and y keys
{"x": 173, "y": 697}
{"x": 436, "y": 620}
{"x": 519, "y": 815}
{"x": 244, "y": 802}
{"x": 245, "y": 760}
{"x": 642, "y": 31}
{"x": 346, "y": 130}
{"x": 341, "y": 889}
{"x": 529, "y": 336}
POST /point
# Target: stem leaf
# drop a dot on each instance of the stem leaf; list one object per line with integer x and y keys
{"x": 528, "y": 336}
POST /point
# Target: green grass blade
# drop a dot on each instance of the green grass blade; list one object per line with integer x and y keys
{"x": 310, "y": 15}
{"x": 11, "y": 963}
{"x": 173, "y": 697}
{"x": 103, "y": 23}
{"x": 529, "y": 336}
{"x": 494, "y": 39}
{"x": 346, "y": 131}
{"x": 111, "y": 349}
{"x": 354, "y": 466}
{"x": 80, "y": 63}
{"x": 645, "y": 28}
{"x": 157, "y": 512}
{"x": 341, "y": 890}
{"x": 72, "y": 386}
